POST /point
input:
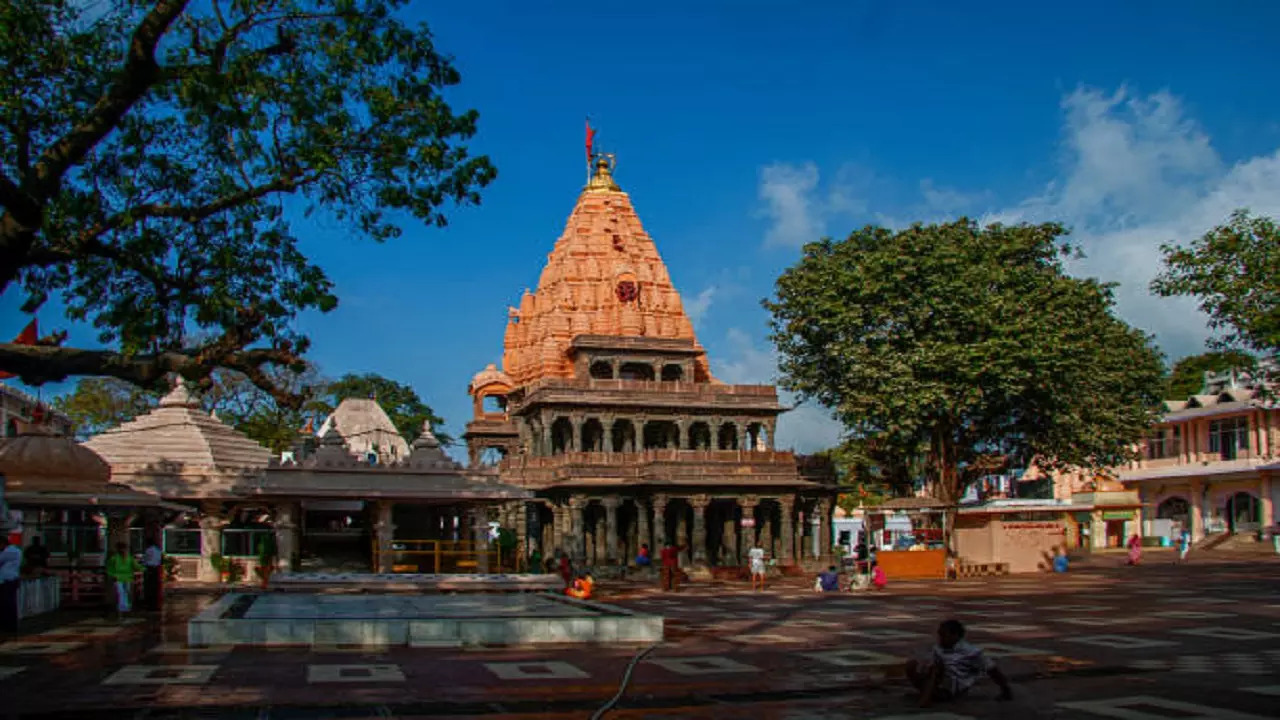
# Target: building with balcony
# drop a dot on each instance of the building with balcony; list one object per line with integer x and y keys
{"x": 605, "y": 406}
{"x": 1211, "y": 463}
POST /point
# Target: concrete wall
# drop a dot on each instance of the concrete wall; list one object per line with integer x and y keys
{"x": 1027, "y": 546}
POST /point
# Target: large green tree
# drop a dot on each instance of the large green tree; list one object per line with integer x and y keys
{"x": 1234, "y": 272}
{"x": 971, "y": 340}
{"x": 148, "y": 149}
{"x": 401, "y": 402}
{"x": 98, "y": 404}
{"x": 1186, "y": 377}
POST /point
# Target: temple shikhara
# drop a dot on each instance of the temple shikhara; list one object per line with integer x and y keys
{"x": 606, "y": 408}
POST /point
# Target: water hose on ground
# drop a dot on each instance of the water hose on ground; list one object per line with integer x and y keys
{"x": 626, "y": 678}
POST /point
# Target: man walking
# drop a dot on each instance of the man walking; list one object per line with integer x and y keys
{"x": 121, "y": 568}
{"x": 671, "y": 567}
{"x": 152, "y": 576}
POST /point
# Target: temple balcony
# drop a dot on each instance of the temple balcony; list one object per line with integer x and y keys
{"x": 679, "y": 467}
{"x": 646, "y": 393}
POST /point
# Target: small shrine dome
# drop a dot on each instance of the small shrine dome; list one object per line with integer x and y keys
{"x": 40, "y": 460}
{"x": 490, "y": 375}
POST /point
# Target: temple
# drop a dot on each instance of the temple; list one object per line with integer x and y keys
{"x": 606, "y": 408}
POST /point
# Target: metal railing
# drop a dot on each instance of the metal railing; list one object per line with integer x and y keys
{"x": 441, "y": 557}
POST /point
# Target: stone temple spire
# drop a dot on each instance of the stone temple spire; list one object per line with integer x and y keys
{"x": 604, "y": 276}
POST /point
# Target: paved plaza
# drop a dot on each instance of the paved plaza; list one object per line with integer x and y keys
{"x": 1159, "y": 641}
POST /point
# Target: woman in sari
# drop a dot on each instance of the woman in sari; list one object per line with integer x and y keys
{"x": 1135, "y": 550}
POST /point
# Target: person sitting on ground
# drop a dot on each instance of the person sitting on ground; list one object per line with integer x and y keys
{"x": 829, "y": 581}
{"x": 582, "y": 587}
{"x": 642, "y": 557}
{"x": 953, "y": 667}
{"x": 878, "y": 579}
{"x": 1060, "y": 562}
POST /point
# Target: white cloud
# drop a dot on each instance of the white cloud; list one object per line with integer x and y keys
{"x": 798, "y": 211}
{"x": 1136, "y": 173}
{"x": 697, "y": 308}
{"x": 786, "y": 191}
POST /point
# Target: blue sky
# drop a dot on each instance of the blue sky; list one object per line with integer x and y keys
{"x": 746, "y": 128}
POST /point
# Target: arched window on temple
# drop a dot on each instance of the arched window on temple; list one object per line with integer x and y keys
{"x": 561, "y": 436}
{"x": 601, "y": 370}
{"x": 727, "y": 437}
{"x": 593, "y": 436}
{"x": 636, "y": 371}
{"x": 672, "y": 373}
{"x": 700, "y": 436}
{"x": 623, "y": 435}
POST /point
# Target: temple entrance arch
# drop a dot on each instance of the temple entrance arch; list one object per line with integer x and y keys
{"x": 727, "y": 437}
{"x": 593, "y": 436}
{"x": 1243, "y": 513}
{"x": 623, "y": 435}
{"x": 561, "y": 436}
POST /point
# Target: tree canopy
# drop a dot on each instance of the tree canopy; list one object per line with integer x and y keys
{"x": 970, "y": 340}
{"x": 147, "y": 151}
{"x": 1234, "y": 272}
{"x": 406, "y": 410}
{"x": 1186, "y": 377}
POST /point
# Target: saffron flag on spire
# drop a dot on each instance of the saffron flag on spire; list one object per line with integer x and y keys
{"x": 26, "y": 337}
{"x": 591, "y": 140}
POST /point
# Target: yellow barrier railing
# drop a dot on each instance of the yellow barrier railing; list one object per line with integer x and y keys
{"x": 442, "y": 557}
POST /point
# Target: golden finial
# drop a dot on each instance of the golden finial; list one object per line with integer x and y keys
{"x": 602, "y": 180}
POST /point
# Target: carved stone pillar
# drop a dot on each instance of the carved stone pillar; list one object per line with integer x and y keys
{"x": 748, "y": 505}
{"x": 765, "y": 529}
{"x": 699, "y": 503}
{"x": 611, "y": 504}
{"x": 1196, "y": 515}
{"x": 682, "y": 532}
{"x": 822, "y": 509}
{"x": 523, "y": 549}
{"x": 607, "y": 440}
{"x": 642, "y": 527}
{"x": 729, "y": 541}
{"x": 384, "y": 533}
{"x": 286, "y": 527}
{"x": 576, "y": 422}
{"x": 576, "y": 536}
{"x": 480, "y": 536}
{"x": 212, "y": 520}
{"x": 770, "y": 426}
{"x": 659, "y": 521}
{"x": 786, "y": 531}
{"x": 744, "y": 435}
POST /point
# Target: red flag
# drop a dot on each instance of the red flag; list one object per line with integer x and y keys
{"x": 26, "y": 337}
{"x": 591, "y": 140}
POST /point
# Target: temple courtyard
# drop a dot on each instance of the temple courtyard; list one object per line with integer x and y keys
{"x": 1104, "y": 641}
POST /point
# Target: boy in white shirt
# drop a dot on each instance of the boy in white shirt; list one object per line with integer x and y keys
{"x": 756, "y": 557}
{"x": 953, "y": 667}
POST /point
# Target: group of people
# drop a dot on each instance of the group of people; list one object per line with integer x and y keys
{"x": 121, "y": 570}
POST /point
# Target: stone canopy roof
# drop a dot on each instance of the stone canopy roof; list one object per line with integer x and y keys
{"x": 365, "y": 427}
{"x": 179, "y": 434}
{"x": 603, "y": 277}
